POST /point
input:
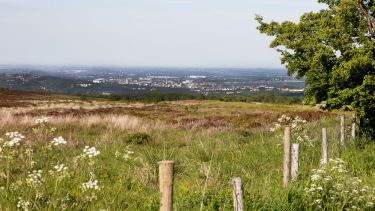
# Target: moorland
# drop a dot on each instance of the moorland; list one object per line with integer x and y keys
{"x": 63, "y": 152}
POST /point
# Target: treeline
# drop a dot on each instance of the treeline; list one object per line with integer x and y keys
{"x": 274, "y": 97}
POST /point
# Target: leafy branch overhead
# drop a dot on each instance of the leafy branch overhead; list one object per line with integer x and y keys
{"x": 334, "y": 50}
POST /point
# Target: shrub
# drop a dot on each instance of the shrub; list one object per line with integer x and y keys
{"x": 138, "y": 138}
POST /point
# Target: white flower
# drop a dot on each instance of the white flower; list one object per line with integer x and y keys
{"x": 328, "y": 178}
{"x": 91, "y": 184}
{"x": 22, "y": 204}
{"x": 60, "y": 168}
{"x": 42, "y": 120}
{"x": 318, "y": 201}
{"x": 339, "y": 186}
{"x": 58, "y": 141}
{"x": 294, "y": 125}
{"x": 15, "y": 139}
{"x": 315, "y": 177}
{"x": 272, "y": 129}
{"x": 35, "y": 177}
{"x": 90, "y": 152}
{"x": 14, "y": 134}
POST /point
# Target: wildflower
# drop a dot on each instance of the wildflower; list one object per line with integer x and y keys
{"x": 42, "y": 120}
{"x": 328, "y": 178}
{"x": 318, "y": 201}
{"x": 315, "y": 177}
{"x": 60, "y": 168}
{"x": 127, "y": 154}
{"x": 339, "y": 186}
{"x": 15, "y": 139}
{"x": 14, "y": 135}
{"x": 90, "y": 152}
{"x": 272, "y": 129}
{"x": 91, "y": 184}
{"x": 58, "y": 141}
{"x": 35, "y": 177}
{"x": 22, "y": 204}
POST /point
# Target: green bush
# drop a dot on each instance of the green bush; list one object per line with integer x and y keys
{"x": 138, "y": 138}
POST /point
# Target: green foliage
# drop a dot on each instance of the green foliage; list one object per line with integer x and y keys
{"x": 273, "y": 97}
{"x": 3, "y": 89}
{"x": 127, "y": 174}
{"x": 138, "y": 138}
{"x": 334, "y": 50}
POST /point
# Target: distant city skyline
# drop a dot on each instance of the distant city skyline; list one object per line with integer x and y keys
{"x": 161, "y": 33}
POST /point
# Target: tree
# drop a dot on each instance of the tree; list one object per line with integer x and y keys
{"x": 334, "y": 49}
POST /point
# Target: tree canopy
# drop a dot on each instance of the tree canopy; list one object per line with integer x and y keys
{"x": 334, "y": 49}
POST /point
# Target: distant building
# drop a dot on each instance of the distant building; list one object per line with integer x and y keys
{"x": 123, "y": 81}
{"x": 99, "y": 81}
{"x": 197, "y": 76}
{"x": 84, "y": 85}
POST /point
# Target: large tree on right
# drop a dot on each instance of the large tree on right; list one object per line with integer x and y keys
{"x": 334, "y": 49}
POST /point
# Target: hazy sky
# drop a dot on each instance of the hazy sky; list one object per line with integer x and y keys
{"x": 199, "y": 33}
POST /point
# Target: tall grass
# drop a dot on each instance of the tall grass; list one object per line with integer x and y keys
{"x": 126, "y": 173}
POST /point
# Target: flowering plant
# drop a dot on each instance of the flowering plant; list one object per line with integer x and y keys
{"x": 332, "y": 187}
{"x": 297, "y": 125}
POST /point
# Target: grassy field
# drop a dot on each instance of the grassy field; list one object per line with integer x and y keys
{"x": 106, "y": 158}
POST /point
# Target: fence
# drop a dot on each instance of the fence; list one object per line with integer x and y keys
{"x": 290, "y": 173}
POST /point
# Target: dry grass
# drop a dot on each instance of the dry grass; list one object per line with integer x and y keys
{"x": 213, "y": 115}
{"x": 121, "y": 122}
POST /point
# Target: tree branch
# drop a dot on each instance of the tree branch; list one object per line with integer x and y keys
{"x": 369, "y": 18}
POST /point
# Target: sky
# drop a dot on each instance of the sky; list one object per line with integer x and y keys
{"x": 170, "y": 33}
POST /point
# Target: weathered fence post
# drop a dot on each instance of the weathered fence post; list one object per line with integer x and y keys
{"x": 287, "y": 136}
{"x": 342, "y": 131}
{"x": 294, "y": 168}
{"x": 353, "y": 125}
{"x": 237, "y": 194}
{"x": 166, "y": 185}
{"x": 324, "y": 146}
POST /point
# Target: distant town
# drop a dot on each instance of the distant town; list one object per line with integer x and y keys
{"x": 204, "y": 84}
{"x": 116, "y": 81}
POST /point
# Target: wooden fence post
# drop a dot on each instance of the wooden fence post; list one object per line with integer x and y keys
{"x": 237, "y": 194}
{"x": 342, "y": 131}
{"x": 353, "y": 125}
{"x": 324, "y": 146}
{"x": 287, "y": 136}
{"x": 166, "y": 185}
{"x": 294, "y": 167}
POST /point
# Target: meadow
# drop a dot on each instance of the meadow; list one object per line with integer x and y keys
{"x": 61, "y": 153}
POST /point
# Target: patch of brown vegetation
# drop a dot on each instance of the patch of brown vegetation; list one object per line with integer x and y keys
{"x": 244, "y": 120}
{"x": 17, "y": 98}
